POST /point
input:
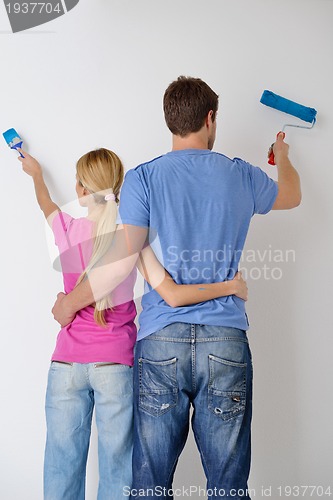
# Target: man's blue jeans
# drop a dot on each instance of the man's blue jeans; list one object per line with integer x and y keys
{"x": 73, "y": 390}
{"x": 210, "y": 368}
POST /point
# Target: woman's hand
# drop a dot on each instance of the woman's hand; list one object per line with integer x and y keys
{"x": 61, "y": 312}
{"x": 29, "y": 164}
{"x": 241, "y": 290}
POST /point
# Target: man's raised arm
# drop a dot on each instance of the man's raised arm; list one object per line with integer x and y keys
{"x": 289, "y": 186}
{"x": 115, "y": 266}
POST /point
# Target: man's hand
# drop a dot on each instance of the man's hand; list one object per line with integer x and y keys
{"x": 280, "y": 148}
{"x": 61, "y": 311}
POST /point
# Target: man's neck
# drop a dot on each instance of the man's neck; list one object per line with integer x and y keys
{"x": 192, "y": 141}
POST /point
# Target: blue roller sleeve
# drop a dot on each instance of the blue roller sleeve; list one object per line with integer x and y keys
{"x": 292, "y": 108}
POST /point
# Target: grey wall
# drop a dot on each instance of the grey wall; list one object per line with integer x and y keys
{"x": 95, "y": 77}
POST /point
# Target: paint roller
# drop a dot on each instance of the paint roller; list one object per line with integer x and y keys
{"x": 291, "y": 108}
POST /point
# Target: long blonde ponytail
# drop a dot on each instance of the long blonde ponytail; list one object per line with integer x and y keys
{"x": 101, "y": 172}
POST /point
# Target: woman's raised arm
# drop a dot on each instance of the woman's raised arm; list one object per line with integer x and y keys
{"x": 31, "y": 167}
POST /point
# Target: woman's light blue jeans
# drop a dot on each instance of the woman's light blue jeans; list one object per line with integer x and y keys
{"x": 210, "y": 368}
{"x": 73, "y": 391}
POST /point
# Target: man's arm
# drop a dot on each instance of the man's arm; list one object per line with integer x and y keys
{"x": 289, "y": 185}
{"x": 115, "y": 266}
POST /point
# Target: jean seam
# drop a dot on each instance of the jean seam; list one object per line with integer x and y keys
{"x": 200, "y": 450}
{"x": 171, "y": 471}
{"x": 223, "y": 361}
{"x": 222, "y": 339}
{"x": 193, "y": 356}
{"x": 87, "y": 374}
{"x": 167, "y": 339}
{"x": 188, "y": 340}
{"x": 167, "y": 362}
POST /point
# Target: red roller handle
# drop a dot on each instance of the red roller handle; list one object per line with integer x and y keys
{"x": 271, "y": 159}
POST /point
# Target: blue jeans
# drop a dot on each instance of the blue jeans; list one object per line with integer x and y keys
{"x": 210, "y": 368}
{"x": 72, "y": 392}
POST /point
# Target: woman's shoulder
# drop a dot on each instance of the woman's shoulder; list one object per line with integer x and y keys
{"x": 65, "y": 220}
{"x": 65, "y": 224}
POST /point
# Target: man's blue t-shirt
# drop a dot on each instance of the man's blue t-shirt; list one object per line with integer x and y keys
{"x": 197, "y": 205}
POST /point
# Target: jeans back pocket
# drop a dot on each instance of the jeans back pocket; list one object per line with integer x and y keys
{"x": 226, "y": 387}
{"x": 158, "y": 386}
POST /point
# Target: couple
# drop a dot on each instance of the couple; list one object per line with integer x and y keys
{"x": 193, "y": 206}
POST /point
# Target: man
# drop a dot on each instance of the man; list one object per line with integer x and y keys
{"x": 199, "y": 204}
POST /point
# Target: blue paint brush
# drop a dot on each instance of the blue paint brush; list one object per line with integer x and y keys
{"x": 291, "y": 108}
{"x": 13, "y": 140}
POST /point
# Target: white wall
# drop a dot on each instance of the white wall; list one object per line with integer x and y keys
{"x": 95, "y": 77}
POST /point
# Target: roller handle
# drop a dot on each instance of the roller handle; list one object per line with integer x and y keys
{"x": 271, "y": 159}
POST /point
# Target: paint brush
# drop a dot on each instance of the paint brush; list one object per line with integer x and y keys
{"x": 13, "y": 139}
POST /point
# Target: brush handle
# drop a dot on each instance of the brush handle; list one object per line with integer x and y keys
{"x": 271, "y": 159}
{"x": 19, "y": 145}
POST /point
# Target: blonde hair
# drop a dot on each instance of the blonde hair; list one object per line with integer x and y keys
{"x": 101, "y": 172}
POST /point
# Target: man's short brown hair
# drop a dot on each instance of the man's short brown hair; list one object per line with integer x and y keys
{"x": 187, "y": 102}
